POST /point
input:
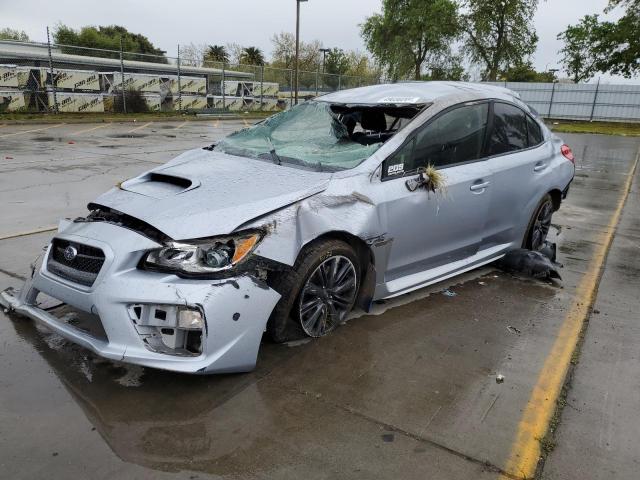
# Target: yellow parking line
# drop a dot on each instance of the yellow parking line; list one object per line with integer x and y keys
{"x": 90, "y": 129}
{"x": 140, "y": 127}
{"x": 31, "y": 131}
{"x": 29, "y": 232}
{"x": 525, "y": 450}
{"x": 181, "y": 125}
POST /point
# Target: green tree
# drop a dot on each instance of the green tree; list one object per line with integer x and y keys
{"x": 284, "y": 51}
{"x": 524, "y": 72}
{"x": 410, "y": 35}
{"x": 594, "y": 46}
{"x": 620, "y": 42}
{"x": 216, "y": 53}
{"x": 580, "y": 53}
{"x": 107, "y": 38}
{"x": 12, "y": 34}
{"x": 449, "y": 68}
{"x": 252, "y": 56}
{"x": 348, "y": 64}
{"x": 499, "y": 34}
{"x": 337, "y": 62}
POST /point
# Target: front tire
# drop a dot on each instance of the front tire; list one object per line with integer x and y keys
{"x": 539, "y": 224}
{"x": 319, "y": 293}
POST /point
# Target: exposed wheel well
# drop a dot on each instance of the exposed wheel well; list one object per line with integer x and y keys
{"x": 556, "y": 198}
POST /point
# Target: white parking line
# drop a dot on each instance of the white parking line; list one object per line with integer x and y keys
{"x": 31, "y": 131}
{"x": 140, "y": 127}
{"x": 90, "y": 129}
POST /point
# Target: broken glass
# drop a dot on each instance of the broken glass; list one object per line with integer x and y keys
{"x": 310, "y": 134}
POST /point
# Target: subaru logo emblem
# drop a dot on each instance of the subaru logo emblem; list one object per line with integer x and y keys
{"x": 70, "y": 253}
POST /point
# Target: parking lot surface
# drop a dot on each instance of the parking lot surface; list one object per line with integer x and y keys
{"x": 408, "y": 391}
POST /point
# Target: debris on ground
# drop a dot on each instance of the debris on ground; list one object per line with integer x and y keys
{"x": 448, "y": 293}
{"x": 387, "y": 437}
{"x": 549, "y": 250}
{"x": 499, "y": 378}
{"x": 530, "y": 263}
{"x": 514, "y": 330}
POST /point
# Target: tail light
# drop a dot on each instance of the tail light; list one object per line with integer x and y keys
{"x": 567, "y": 153}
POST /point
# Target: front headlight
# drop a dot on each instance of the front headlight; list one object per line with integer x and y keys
{"x": 203, "y": 256}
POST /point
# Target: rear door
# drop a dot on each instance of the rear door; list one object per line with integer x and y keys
{"x": 433, "y": 229}
{"x": 517, "y": 159}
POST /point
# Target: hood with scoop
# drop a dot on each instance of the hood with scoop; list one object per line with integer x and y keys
{"x": 204, "y": 193}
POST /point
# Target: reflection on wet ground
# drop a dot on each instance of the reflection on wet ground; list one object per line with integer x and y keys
{"x": 401, "y": 373}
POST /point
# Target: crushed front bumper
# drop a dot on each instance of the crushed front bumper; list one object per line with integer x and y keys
{"x": 235, "y": 310}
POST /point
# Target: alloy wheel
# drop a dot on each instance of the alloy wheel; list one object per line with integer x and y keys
{"x": 541, "y": 225}
{"x": 327, "y": 296}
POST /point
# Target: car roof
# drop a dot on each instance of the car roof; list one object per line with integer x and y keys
{"x": 416, "y": 93}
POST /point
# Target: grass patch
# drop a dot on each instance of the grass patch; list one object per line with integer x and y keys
{"x": 602, "y": 128}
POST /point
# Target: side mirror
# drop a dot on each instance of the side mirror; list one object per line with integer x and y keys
{"x": 416, "y": 182}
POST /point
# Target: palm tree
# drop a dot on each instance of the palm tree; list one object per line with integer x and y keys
{"x": 252, "y": 56}
{"x": 216, "y": 53}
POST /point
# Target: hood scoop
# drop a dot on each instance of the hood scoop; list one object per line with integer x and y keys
{"x": 159, "y": 185}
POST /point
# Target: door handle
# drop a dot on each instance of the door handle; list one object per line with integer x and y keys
{"x": 479, "y": 186}
{"x": 539, "y": 167}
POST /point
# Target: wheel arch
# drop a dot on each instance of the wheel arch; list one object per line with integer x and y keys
{"x": 366, "y": 263}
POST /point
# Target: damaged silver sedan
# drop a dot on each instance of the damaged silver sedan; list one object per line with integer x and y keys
{"x": 286, "y": 226}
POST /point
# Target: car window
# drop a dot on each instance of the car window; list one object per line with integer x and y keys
{"x": 456, "y": 136}
{"x": 535, "y": 133}
{"x": 509, "y": 131}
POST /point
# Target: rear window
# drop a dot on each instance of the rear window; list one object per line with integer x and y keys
{"x": 509, "y": 129}
{"x": 535, "y": 132}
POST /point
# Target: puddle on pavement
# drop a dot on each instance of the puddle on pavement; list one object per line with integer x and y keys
{"x": 128, "y": 135}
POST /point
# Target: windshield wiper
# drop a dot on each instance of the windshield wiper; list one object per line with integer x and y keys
{"x": 276, "y": 158}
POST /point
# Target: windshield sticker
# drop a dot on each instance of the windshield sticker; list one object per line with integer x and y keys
{"x": 399, "y": 100}
{"x": 395, "y": 169}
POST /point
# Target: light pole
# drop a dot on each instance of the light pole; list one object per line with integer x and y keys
{"x": 324, "y": 57}
{"x": 295, "y": 80}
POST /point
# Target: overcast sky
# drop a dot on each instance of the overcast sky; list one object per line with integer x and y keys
{"x": 252, "y": 22}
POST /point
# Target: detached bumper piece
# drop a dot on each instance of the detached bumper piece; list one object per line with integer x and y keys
{"x": 169, "y": 329}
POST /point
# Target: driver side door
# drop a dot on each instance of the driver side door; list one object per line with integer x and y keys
{"x": 432, "y": 230}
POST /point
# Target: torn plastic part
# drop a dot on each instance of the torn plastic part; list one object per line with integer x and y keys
{"x": 170, "y": 329}
{"x": 529, "y": 263}
{"x": 309, "y": 133}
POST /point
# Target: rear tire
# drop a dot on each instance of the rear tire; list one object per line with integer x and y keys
{"x": 539, "y": 224}
{"x": 301, "y": 289}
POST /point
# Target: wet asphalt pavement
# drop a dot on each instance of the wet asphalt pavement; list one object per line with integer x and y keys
{"x": 408, "y": 391}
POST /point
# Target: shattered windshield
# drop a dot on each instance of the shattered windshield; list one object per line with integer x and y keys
{"x": 310, "y": 134}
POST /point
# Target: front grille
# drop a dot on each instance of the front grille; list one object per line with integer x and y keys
{"x": 82, "y": 269}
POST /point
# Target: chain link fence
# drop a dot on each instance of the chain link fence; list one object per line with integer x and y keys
{"x": 49, "y": 77}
